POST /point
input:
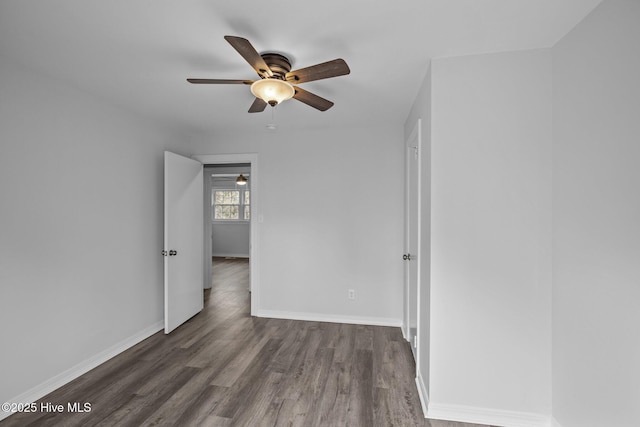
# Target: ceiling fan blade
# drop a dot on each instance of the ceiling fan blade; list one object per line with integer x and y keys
{"x": 258, "y": 106}
{"x": 328, "y": 69}
{"x": 250, "y": 54}
{"x": 312, "y": 100}
{"x": 220, "y": 81}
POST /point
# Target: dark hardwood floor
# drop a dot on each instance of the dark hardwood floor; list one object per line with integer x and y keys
{"x": 226, "y": 368}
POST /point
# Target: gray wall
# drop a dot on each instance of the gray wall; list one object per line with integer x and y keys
{"x": 491, "y": 236}
{"x": 338, "y": 226}
{"x": 230, "y": 239}
{"x": 596, "y": 220}
{"x": 80, "y": 230}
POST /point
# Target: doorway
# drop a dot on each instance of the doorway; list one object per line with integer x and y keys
{"x": 223, "y": 164}
{"x": 229, "y": 214}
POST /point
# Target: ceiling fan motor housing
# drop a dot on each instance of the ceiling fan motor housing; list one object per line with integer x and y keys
{"x": 279, "y": 64}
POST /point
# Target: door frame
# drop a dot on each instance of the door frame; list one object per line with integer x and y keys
{"x": 252, "y": 159}
{"x": 413, "y": 142}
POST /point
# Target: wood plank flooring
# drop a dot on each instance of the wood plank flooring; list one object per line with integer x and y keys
{"x": 226, "y": 368}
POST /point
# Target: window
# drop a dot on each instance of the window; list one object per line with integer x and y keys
{"x": 231, "y": 205}
{"x": 247, "y": 211}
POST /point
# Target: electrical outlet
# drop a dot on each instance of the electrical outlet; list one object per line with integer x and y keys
{"x": 352, "y": 294}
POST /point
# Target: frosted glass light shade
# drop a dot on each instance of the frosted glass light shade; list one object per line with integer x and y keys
{"x": 272, "y": 91}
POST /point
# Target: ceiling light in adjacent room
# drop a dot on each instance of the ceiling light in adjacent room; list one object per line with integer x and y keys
{"x": 241, "y": 180}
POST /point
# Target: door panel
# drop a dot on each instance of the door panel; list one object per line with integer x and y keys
{"x": 183, "y": 244}
{"x": 412, "y": 237}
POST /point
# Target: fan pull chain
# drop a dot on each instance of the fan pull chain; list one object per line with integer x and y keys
{"x": 273, "y": 126}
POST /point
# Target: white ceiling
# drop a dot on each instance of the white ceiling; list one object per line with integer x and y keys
{"x": 138, "y": 53}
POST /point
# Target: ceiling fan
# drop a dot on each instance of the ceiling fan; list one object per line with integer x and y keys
{"x": 277, "y": 81}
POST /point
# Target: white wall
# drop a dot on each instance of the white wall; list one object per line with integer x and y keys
{"x": 491, "y": 242}
{"x": 596, "y": 220}
{"x": 338, "y": 226}
{"x": 80, "y": 228}
{"x": 230, "y": 239}
{"x": 421, "y": 109}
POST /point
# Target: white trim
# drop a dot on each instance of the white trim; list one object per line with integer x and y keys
{"x": 494, "y": 417}
{"x": 206, "y": 214}
{"x": 252, "y": 159}
{"x": 415, "y": 135}
{"x": 422, "y": 393}
{"x": 330, "y": 318}
{"x": 46, "y": 387}
{"x": 419, "y": 244}
{"x": 230, "y": 255}
{"x": 405, "y": 333}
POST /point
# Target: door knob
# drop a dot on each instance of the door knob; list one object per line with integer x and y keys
{"x": 173, "y": 253}
{"x": 406, "y": 257}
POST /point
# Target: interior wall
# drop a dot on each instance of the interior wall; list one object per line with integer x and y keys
{"x": 491, "y": 241}
{"x": 421, "y": 109}
{"x": 331, "y": 209}
{"x": 596, "y": 227}
{"x": 230, "y": 239}
{"x": 81, "y": 227}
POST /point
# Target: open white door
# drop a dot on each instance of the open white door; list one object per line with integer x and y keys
{"x": 183, "y": 234}
{"x": 412, "y": 237}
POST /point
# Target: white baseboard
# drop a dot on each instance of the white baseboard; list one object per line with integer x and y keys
{"x": 331, "y": 318}
{"x": 422, "y": 393}
{"x": 230, "y": 255}
{"x": 74, "y": 372}
{"x": 494, "y": 417}
{"x": 405, "y": 333}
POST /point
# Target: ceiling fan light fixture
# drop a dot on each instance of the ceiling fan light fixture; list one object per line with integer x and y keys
{"x": 241, "y": 180}
{"x": 272, "y": 91}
